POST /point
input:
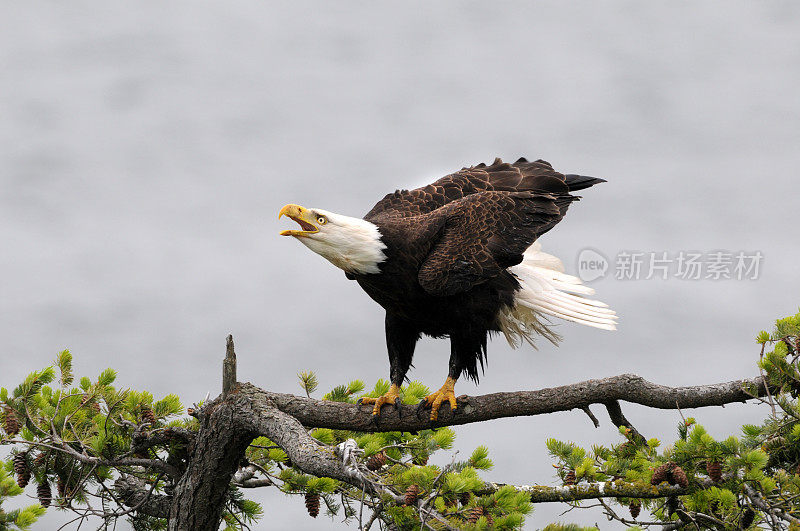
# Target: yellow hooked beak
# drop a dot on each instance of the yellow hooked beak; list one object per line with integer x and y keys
{"x": 303, "y": 216}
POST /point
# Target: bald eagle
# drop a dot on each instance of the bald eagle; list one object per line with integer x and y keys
{"x": 459, "y": 258}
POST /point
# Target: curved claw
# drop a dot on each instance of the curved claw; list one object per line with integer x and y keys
{"x": 392, "y": 396}
{"x": 435, "y": 400}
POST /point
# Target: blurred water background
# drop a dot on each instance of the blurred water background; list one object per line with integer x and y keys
{"x": 147, "y": 147}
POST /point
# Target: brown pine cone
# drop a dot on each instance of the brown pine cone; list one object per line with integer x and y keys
{"x": 464, "y": 498}
{"x": 20, "y": 462}
{"x": 714, "y": 469}
{"x": 44, "y": 494}
{"x": 679, "y": 477}
{"x": 23, "y": 479}
{"x": 660, "y": 474}
{"x": 569, "y": 478}
{"x": 22, "y": 469}
{"x": 148, "y": 415}
{"x": 61, "y": 487}
{"x": 376, "y": 461}
{"x": 40, "y": 459}
{"x": 312, "y": 503}
{"x": 747, "y": 518}
{"x": 635, "y": 508}
{"x": 10, "y": 422}
{"x": 474, "y": 514}
{"x": 412, "y": 494}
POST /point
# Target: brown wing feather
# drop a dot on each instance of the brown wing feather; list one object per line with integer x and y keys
{"x": 499, "y": 176}
{"x": 484, "y": 234}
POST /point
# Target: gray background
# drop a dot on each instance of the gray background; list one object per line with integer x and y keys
{"x": 147, "y": 148}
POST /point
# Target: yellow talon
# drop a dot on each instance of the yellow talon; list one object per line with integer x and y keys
{"x": 445, "y": 393}
{"x": 392, "y": 396}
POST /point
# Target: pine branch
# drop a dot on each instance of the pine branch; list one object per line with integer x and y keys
{"x": 607, "y": 391}
{"x": 285, "y": 419}
{"x": 585, "y": 491}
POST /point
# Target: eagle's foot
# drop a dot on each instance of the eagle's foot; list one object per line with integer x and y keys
{"x": 392, "y": 396}
{"x": 435, "y": 400}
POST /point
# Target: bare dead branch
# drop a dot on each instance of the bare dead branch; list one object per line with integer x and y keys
{"x": 228, "y": 367}
{"x": 616, "y": 416}
{"x": 591, "y": 416}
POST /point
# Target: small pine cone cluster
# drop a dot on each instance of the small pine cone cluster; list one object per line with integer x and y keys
{"x": 44, "y": 493}
{"x": 148, "y": 415}
{"x": 10, "y": 423}
{"x": 671, "y": 473}
{"x": 714, "y": 469}
{"x": 660, "y": 473}
{"x": 376, "y": 461}
{"x": 635, "y": 508}
{"x": 312, "y": 503}
{"x": 747, "y": 518}
{"x": 21, "y": 469}
{"x": 412, "y": 494}
{"x": 474, "y": 514}
{"x": 569, "y": 478}
{"x": 679, "y": 477}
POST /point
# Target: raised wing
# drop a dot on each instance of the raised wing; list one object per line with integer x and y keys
{"x": 521, "y": 176}
{"x": 485, "y": 233}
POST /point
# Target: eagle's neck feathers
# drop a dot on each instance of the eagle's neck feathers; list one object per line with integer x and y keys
{"x": 351, "y": 244}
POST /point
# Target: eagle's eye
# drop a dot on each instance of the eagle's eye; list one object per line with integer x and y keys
{"x": 322, "y": 220}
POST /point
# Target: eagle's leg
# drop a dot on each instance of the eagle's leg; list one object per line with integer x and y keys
{"x": 401, "y": 339}
{"x": 444, "y": 394}
{"x": 465, "y": 351}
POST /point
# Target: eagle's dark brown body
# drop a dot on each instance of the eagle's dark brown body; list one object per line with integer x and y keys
{"x": 448, "y": 249}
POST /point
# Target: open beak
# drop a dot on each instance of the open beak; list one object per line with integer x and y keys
{"x": 303, "y": 216}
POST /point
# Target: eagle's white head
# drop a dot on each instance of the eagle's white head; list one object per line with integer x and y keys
{"x": 351, "y": 244}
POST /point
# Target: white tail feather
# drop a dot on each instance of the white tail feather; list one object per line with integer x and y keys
{"x": 546, "y": 290}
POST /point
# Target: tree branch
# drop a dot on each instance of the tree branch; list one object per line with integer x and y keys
{"x": 228, "y": 367}
{"x": 627, "y": 387}
{"x": 585, "y": 491}
{"x": 617, "y": 417}
{"x": 285, "y": 419}
{"x": 135, "y": 494}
